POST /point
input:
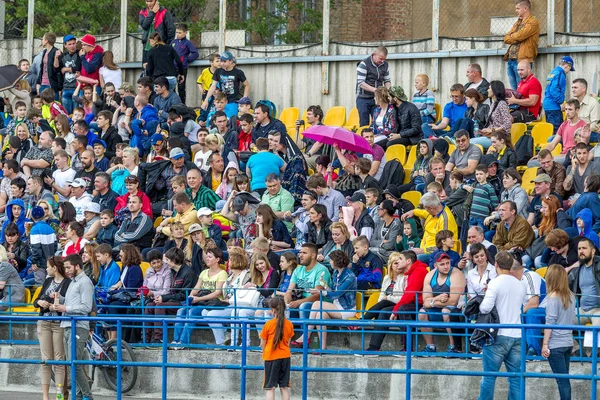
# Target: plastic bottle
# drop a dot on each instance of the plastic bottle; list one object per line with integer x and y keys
{"x": 59, "y": 392}
{"x": 476, "y": 128}
{"x": 322, "y": 280}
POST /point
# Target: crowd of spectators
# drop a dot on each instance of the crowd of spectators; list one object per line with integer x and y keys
{"x": 128, "y": 194}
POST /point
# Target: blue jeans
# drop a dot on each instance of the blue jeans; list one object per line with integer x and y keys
{"x": 513, "y": 76}
{"x": 559, "y": 362}
{"x": 505, "y": 349}
{"x": 172, "y": 83}
{"x": 183, "y": 331}
{"x": 304, "y": 309}
{"x": 478, "y": 222}
{"x": 428, "y": 132}
{"x": 533, "y": 337}
{"x": 427, "y": 119}
{"x": 365, "y": 107}
{"x": 483, "y": 141}
{"x": 42, "y": 87}
{"x": 67, "y": 100}
{"x": 554, "y": 117}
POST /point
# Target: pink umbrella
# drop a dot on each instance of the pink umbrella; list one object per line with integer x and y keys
{"x": 344, "y": 138}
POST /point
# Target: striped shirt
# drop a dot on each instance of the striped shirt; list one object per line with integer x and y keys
{"x": 484, "y": 201}
{"x": 425, "y": 102}
{"x": 374, "y": 75}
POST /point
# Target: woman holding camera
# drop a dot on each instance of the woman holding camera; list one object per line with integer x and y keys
{"x": 50, "y": 334}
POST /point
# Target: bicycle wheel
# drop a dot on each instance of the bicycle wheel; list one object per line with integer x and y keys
{"x": 128, "y": 373}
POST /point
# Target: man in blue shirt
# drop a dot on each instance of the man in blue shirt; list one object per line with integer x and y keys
{"x": 453, "y": 111}
{"x": 554, "y": 96}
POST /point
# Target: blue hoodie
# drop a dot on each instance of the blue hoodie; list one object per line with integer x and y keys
{"x": 9, "y": 217}
{"x": 586, "y": 216}
{"x": 554, "y": 95}
{"x": 147, "y": 121}
{"x": 589, "y": 200}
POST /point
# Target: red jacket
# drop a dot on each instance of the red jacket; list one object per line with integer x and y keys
{"x": 415, "y": 279}
{"x": 91, "y": 63}
{"x": 146, "y": 205}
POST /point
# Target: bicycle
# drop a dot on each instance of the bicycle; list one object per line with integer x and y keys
{"x": 100, "y": 350}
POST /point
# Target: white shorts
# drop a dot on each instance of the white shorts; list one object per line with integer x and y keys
{"x": 345, "y": 314}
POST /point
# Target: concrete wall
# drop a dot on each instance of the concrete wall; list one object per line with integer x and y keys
{"x": 273, "y": 75}
{"x": 221, "y": 383}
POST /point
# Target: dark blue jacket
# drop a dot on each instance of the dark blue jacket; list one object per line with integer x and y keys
{"x": 186, "y": 50}
{"x": 369, "y": 269}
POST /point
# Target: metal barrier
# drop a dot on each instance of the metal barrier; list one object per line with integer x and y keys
{"x": 304, "y": 368}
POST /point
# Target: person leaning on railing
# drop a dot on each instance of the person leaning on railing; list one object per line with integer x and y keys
{"x": 50, "y": 334}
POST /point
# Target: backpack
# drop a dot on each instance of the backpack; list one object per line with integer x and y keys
{"x": 272, "y": 108}
{"x": 524, "y": 149}
{"x": 393, "y": 172}
{"x": 294, "y": 177}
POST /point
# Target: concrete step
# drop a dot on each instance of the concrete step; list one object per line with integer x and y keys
{"x": 221, "y": 382}
{"x": 337, "y": 339}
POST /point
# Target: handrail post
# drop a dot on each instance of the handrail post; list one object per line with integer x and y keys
{"x": 73, "y": 357}
{"x": 119, "y": 359}
{"x": 523, "y": 364}
{"x": 243, "y": 363}
{"x": 165, "y": 337}
{"x": 408, "y": 360}
{"x": 305, "y": 361}
{"x": 594, "y": 363}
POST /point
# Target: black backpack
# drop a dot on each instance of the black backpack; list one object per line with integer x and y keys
{"x": 393, "y": 173}
{"x": 524, "y": 149}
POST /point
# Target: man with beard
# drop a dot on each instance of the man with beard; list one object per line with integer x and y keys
{"x": 88, "y": 173}
{"x": 584, "y": 281}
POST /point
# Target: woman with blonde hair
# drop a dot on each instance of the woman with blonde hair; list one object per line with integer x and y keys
{"x": 383, "y": 116}
{"x": 120, "y": 172}
{"x": 340, "y": 240}
{"x": 560, "y": 310}
{"x": 21, "y": 92}
{"x": 63, "y": 129}
{"x": 392, "y": 288}
{"x": 264, "y": 279}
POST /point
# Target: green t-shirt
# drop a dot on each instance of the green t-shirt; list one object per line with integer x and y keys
{"x": 306, "y": 280}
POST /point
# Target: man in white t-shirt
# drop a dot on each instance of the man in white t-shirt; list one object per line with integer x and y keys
{"x": 61, "y": 176}
{"x": 534, "y": 306}
{"x": 80, "y": 198}
{"x": 202, "y": 154}
{"x": 504, "y": 293}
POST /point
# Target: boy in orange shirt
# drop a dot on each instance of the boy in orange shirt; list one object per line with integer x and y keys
{"x": 275, "y": 340}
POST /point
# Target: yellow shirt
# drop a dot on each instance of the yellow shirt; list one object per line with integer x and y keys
{"x": 435, "y": 223}
{"x": 205, "y": 79}
{"x": 215, "y": 183}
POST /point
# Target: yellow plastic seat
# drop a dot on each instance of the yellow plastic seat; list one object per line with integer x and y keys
{"x": 480, "y": 148}
{"x": 336, "y": 116}
{"x": 361, "y": 129}
{"x": 371, "y": 302}
{"x": 359, "y": 305}
{"x": 353, "y": 121}
{"x": 557, "y": 149}
{"x": 451, "y": 148}
{"x": 516, "y": 131}
{"x": 540, "y": 133}
{"x": 398, "y": 152}
{"x": 542, "y": 271}
{"x": 157, "y": 222}
{"x": 385, "y": 272}
{"x": 144, "y": 266}
{"x": 438, "y": 112}
{"x": 28, "y": 299}
{"x": 289, "y": 116}
{"x": 407, "y": 172}
{"x": 528, "y": 175}
{"x": 120, "y": 264}
{"x": 413, "y": 196}
{"x": 412, "y": 156}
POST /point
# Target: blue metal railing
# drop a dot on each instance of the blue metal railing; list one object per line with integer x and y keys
{"x": 304, "y": 368}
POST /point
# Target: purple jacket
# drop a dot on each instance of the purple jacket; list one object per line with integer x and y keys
{"x": 158, "y": 282}
{"x": 186, "y": 50}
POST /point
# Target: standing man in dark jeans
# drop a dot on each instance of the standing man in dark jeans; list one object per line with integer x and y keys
{"x": 371, "y": 73}
{"x": 155, "y": 18}
{"x": 78, "y": 302}
{"x": 406, "y": 308}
